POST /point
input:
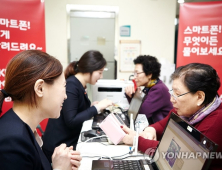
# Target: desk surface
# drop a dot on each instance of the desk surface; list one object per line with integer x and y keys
{"x": 94, "y": 150}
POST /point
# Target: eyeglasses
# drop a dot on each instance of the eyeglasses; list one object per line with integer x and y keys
{"x": 136, "y": 74}
{"x": 175, "y": 96}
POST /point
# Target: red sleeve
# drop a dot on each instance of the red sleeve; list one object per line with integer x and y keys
{"x": 160, "y": 126}
{"x": 144, "y": 144}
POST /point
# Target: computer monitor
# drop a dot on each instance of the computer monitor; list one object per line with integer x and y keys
{"x": 183, "y": 147}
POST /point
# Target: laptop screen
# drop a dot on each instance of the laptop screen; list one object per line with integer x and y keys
{"x": 182, "y": 147}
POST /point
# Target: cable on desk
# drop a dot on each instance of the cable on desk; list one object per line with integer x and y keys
{"x": 113, "y": 157}
{"x": 127, "y": 157}
{"x": 91, "y": 139}
{"x": 96, "y": 142}
{"x": 108, "y": 157}
{"x": 90, "y": 156}
{"x": 116, "y": 157}
{"x": 95, "y": 138}
{"x": 120, "y": 155}
{"x": 100, "y": 157}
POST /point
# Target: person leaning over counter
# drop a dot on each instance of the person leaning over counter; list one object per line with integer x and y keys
{"x": 195, "y": 99}
{"x": 77, "y": 108}
{"x": 156, "y": 104}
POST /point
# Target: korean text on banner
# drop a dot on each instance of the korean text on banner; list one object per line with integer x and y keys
{"x": 22, "y": 27}
{"x": 200, "y": 35}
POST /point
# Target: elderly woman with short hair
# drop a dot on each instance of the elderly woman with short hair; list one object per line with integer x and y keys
{"x": 194, "y": 97}
{"x": 156, "y": 103}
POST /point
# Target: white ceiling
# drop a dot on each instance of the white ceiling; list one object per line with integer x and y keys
{"x": 177, "y": 10}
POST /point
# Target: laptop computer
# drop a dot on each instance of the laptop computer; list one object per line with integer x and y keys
{"x": 134, "y": 107}
{"x": 182, "y": 147}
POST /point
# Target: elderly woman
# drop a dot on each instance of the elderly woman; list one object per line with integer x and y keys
{"x": 156, "y": 104}
{"x": 194, "y": 98}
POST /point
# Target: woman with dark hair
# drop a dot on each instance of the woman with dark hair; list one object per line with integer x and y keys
{"x": 156, "y": 104}
{"x": 195, "y": 99}
{"x": 77, "y": 108}
{"x": 36, "y": 85}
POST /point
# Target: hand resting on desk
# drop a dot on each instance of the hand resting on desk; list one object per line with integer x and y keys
{"x": 103, "y": 104}
{"x": 94, "y": 103}
{"x": 148, "y": 133}
{"x": 65, "y": 158}
{"x": 75, "y": 158}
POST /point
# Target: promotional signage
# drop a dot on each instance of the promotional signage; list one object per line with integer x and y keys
{"x": 200, "y": 35}
{"x": 22, "y": 27}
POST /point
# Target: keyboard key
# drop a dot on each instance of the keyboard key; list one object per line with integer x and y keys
{"x": 126, "y": 165}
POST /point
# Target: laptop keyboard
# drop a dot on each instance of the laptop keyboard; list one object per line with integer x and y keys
{"x": 127, "y": 165}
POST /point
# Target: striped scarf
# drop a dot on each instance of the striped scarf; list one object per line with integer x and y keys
{"x": 204, "y": 111}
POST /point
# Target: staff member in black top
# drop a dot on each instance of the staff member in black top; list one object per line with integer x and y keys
{"x": 35, "y": 82}
{"x": 77, "y": 107}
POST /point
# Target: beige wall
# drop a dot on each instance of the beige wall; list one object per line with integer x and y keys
{"x": 152, "y": 22}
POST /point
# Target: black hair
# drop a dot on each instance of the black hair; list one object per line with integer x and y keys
{"x": 90, "y": 61}
{"x": 199, "y": 77}
{"x": 150, "y": 65}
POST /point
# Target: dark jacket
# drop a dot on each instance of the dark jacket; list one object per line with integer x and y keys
{"x": 156, "y": 104}
{"x": 18, "y": 147}
{"x": 76, "y": 109}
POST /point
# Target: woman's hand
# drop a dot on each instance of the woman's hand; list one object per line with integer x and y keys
{"x": 94, "y": 103}
{"x": 104, "y": 104}
{"x": 149, "y": 133}
{"x": 128, "y": 139}
{"x": 75, "y": 158}
{"x": 129, "y": 90}
{"x": 61, "y": 158}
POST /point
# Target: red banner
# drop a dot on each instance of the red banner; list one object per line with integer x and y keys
{"x": 200, "y": 35}
{"x": 22, "y": 27}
